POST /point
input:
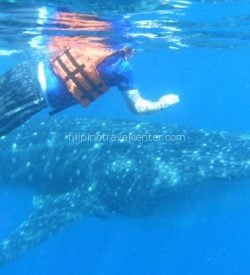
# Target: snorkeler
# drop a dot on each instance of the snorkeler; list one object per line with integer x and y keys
{"x": 79, "y": 71}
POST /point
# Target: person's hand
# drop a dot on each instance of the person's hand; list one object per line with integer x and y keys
{"x": 169, "y": 99}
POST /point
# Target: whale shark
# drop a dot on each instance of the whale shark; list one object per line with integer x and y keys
{"x": 79, "y": 167}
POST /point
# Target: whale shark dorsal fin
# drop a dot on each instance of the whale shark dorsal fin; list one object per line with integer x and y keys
{"x": 51, "y": 214}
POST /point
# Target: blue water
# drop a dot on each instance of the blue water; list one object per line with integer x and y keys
{"x": 197, "y": 49}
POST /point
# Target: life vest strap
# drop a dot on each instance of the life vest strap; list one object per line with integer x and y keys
{"x": 71, "y": 76}
{"x": 80, "y": 69}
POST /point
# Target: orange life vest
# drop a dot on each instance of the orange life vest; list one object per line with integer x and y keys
{"x": 77, "y": 67}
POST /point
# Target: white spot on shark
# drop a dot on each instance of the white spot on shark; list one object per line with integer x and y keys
{"x": 14, "y": 147}
{"x": 97, "y": 145}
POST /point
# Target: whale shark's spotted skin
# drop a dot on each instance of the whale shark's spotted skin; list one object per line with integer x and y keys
{"x": 133, "y": 178}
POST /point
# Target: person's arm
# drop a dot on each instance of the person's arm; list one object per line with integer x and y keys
{"x": 139, "y": 105}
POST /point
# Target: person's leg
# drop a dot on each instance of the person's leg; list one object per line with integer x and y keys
{"x": 20, "y": 96}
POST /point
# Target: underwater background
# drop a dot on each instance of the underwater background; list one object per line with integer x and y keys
{"x": 197, "y": 49}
